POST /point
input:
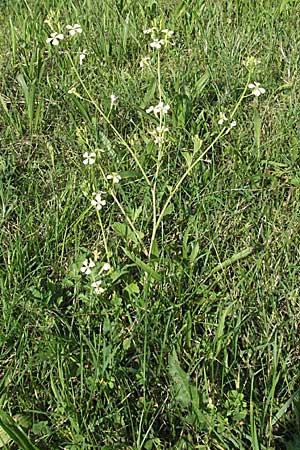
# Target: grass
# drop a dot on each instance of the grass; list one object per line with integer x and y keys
{"x": 194, "y": 342}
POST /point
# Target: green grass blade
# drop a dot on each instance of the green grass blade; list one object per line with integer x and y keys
{"x": 15, "y": 432}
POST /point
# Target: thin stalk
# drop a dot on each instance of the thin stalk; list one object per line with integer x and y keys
{"x": 158, "y": 161}
{"x": 103, "y": 235}
{"x": 190, "y": 168}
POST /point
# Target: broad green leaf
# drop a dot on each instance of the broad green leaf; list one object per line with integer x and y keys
{"x": 201, "y": 83}
{"x": 123, "y": 230}
{"x": 197, "y": 143}
{"x": 11, "y": 428}
{"x": 132, "y": 288}
{"x": 185, "y": 392}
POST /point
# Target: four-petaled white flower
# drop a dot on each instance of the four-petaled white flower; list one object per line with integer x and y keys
{"x": 159, "y": 108}
{"x": 168, "y": 33}
{"x": 256, "y": 89}
{"x": 86, "y": 267}
{"x": 89, "y": 158}
{"x": 97, "y": 287}
{"x": 144, "y": 61}
{"x": 222, "y": 119}
{"x": 157, "y": 43}
{"x": 97, "y": 201}
{"x": 73, "y": 29}
{"x": 113, "y": 98}
{"x": 115, "y": 177}
{"x": 82, "y": 56}
{"x": 55, "y": 38}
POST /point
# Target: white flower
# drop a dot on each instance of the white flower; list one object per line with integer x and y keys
{"x": 150, "y": 109}
{"x": 114, "y": 177}
{"x": 157, "y": 43}
{"x": 159, "y": 108}
{"x": 73, "y": 29}
{"x": 97, "y": 201}
{"x": 90, "y": 158}
{"x": 232, "y": 124}
{"x": 167, "y": 32}
{"x": 113, "y": 98}
{"x": 222, "y": 119}
{"x": 97, "y": 286}
{"x": 82, "y": 56}
{"x": 55, "y": 38}
{"x": 144, "y": 61}
{"x": 256, "y": 90}
{"x": 105, "y": 268}
{"x": 86, "y": 267}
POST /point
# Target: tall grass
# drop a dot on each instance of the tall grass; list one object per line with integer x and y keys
{"x": 149, "y": 225}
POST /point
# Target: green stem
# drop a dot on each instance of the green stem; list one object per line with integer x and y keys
{"x": 191, "y": 167}
{"x": 103, "y": 235}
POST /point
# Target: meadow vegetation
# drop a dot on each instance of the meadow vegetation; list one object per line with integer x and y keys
{"x": 150, "y": 234}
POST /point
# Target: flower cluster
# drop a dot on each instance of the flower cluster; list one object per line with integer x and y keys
{"x": 88, "y": 267}
{"x": 55, "y": 37}
{"x": 160, "y": 108}
{"x": 159, "y": 38}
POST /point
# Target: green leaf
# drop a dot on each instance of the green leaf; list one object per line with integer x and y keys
{"x": 132, "y": 288}
{"x": 197, "y": 143}
{"x": 233, "y": 259}
{"x": 126, "y": 343}
{"x": 123, "y": 230}
{"x": 188, "y": 158}
{"x": 184, "y": 391}
{"x": 145, "y": 267}
{"x": 12, "y": 429}
{"x": 295, "y": 181}
{"x": 201, "y": 83}
{"x": 40, "y": 427}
